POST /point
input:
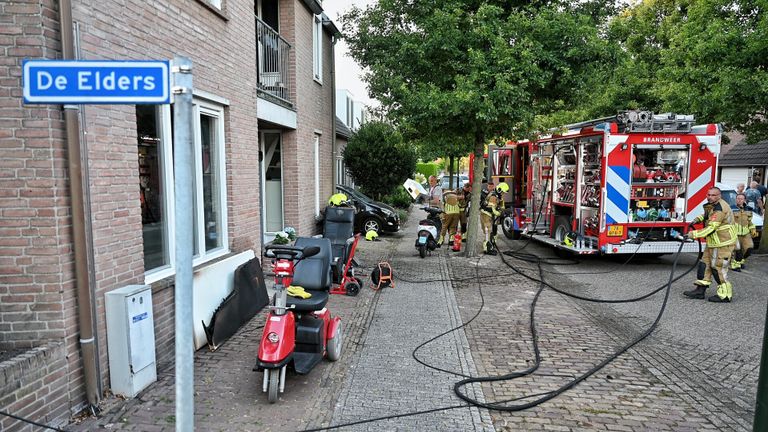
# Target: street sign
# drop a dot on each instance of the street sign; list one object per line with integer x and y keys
{"x": 96, "y": 82}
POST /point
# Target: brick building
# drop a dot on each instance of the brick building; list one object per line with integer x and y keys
{"x": 264, "y": 145}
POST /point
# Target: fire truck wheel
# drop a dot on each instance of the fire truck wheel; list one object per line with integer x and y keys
{"x": 508, "y": 227}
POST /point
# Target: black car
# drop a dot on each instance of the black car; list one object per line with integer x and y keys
{"x": 371, "y": 215}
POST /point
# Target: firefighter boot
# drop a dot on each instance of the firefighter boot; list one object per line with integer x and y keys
{"x": 736, "y": 265}
{"x": 489, "y": 248}
{"x": 696, "y": 293}
{"x": 724, "y": 293}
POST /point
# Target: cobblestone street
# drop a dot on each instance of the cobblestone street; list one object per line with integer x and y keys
{"x": 663, "y": 383}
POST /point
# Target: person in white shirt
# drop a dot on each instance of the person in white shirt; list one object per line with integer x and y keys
{"x": 435, "y": 196}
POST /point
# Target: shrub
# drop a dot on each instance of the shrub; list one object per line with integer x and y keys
{"x": 377, "y": 158}
{"x": 399, "y": 198}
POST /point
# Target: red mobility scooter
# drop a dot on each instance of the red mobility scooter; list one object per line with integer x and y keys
{"x": 299, "y": 331}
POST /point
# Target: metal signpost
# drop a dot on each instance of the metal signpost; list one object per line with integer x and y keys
{"x": 183, "y": 164}
{"x": 73, "y": 82}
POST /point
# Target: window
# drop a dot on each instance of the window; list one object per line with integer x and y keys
{"x": 155, "y": 149}
{"x": 210, "y": 203}
{"x": 317, "y": 49}
{"x": 317, "y": 174}
{"x": 155, "y": 185}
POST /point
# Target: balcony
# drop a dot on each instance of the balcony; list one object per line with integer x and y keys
{"x": 274, "y": 79}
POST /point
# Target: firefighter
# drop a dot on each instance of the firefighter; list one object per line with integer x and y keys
{"x": 721, "y": 240}
{"x": 465, "y": 196}
{"x": 451, "y": 212}
{"x": 745, "y": 230}
{"x": 491, "y": 205}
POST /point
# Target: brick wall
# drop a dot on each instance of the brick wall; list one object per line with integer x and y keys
{"x": 37, "y": 288}
{"x": 33, "y": 385}
{"x": 223, "y": 55}
{"x": 314, "y": 109}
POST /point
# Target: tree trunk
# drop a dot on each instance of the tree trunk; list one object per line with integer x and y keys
{"x": 474, "y": 206}
{"x": 763, "y": 246}
{"x": 450, "y": 172}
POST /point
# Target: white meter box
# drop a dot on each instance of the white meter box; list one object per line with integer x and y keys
{"x": 131, "y": 339}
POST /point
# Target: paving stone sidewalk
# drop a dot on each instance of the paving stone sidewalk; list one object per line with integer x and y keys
{"x": 385, "y": 379}
{"x": 228, "y": 394}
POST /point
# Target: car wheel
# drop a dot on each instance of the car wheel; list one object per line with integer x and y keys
{"x": 371, "y": 224}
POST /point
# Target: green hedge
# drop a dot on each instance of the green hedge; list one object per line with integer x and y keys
{"x": 427, "y": 168}
{"x": 398, "y": 199}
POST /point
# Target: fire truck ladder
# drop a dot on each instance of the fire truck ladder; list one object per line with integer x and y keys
{"x": 639, "y": 121}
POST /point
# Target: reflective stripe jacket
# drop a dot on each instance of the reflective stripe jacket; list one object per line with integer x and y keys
{"x": 742, "y": 217}
{"x": 451, "y": 205}
{"x": 491, "y": 204}
{"x": 719, "y": 225}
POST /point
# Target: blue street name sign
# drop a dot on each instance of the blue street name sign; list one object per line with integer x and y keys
{"x": 96, "y": 82}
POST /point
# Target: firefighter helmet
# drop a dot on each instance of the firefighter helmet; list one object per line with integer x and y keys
{"x": 337, "y": 199}
{"x": 570, "y": 239}
{"x": 502, "y": 188}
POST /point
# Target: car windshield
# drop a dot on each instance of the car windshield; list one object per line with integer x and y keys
{"x": 355, "y": 194}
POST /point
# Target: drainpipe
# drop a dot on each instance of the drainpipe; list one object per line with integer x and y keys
{"x": 334, "y": 174}
{"x": 76, "y": 188}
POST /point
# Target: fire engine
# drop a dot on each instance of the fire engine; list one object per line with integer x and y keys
{"x": 629, "y": 183}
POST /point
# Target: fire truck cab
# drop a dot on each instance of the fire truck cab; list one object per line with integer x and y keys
{"x": 625, "y": 184}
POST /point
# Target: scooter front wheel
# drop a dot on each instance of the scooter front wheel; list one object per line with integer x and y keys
{"x": 273, "y": 377}
{"x": 423, "y": 251}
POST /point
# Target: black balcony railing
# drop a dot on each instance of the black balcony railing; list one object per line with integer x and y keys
{"x": 274, "y": 78}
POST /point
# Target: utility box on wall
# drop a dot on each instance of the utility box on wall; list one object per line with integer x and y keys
{"x": 131, "y": 339}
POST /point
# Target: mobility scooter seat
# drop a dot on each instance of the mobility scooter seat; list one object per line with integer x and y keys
{"x": 314, "y": 275}
{"x": 339, "y": 228}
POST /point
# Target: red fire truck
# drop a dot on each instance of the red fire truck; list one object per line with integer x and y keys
{"x": 625, "y": 184}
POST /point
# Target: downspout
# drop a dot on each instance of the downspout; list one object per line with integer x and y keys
{"x": 334, "y": 174}
{"x": 84, "y": 297}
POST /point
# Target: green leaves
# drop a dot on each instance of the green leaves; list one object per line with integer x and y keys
{"x": 377, "y": 158}
{"x": 702, "y": 57}
{"x": 469, "y": 68}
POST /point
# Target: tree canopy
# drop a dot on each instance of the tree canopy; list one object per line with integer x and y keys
{"x": 476, "y": 69}
{"x": 701, "y": 57}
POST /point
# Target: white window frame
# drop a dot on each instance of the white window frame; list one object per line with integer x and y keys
{"x": 216, "y": 111}
{"x": 317, "y": 48}
{"x": 202, "y": 256}
{"x": 317, "y": 173}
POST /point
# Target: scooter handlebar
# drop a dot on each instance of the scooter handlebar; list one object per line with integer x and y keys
{"x": 290, "y": 252}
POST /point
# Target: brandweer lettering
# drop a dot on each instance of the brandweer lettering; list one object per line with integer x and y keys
{"x": 662, "y": 140}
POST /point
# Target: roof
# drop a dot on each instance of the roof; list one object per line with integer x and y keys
{"x": 747, "y": 155}
{"x": 342, "y": 130}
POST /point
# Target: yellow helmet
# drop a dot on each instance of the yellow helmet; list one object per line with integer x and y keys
{"x": 502, "y": 188}
{"x": 371, "y": 235}
{"x": 337, "y": 199}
